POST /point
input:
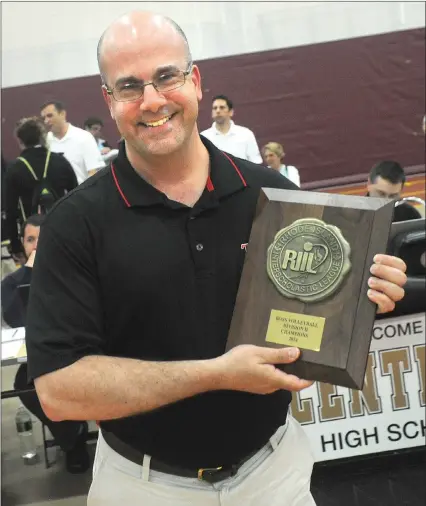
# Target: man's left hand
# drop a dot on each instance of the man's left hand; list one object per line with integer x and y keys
{"x": 387, "y": 281}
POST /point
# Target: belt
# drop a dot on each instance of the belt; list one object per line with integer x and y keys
{"x": 208, "y": 474}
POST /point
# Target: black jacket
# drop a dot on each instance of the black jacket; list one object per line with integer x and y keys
{"x": 12, "y": 306}
{"x": 405, "y": 211}
{"x": 20, "y": 184}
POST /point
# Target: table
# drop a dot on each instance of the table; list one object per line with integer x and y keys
{"x": 13, "y": 349}
{"x": 13, "y": 352}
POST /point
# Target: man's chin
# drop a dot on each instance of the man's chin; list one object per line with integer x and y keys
{"x": 163, "y": 147}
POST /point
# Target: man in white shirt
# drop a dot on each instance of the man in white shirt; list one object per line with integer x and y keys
{"x": 78, "y": 146}
{"x": 227, "y": 136}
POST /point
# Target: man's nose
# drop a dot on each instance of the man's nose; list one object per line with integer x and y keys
{"x": 152, "y": 99}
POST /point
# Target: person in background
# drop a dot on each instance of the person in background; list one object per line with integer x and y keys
{"x": 70, "y": 435}
{"x": 78, "y": 146}
{"x": 226, "y": 135}
{"x": 94, "y": 126}
{"x": 273, "y": 154}
{"x": 8, "y": 264}
{"x": 386, "y": 180}
{"x": 24, "y": 176}
{"x": 3, "y": 199}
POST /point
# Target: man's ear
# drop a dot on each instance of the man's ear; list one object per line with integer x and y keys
{"x": 231, "y": 113}
{"x": 196, "y": 79}
{"x": 108, "y": 100}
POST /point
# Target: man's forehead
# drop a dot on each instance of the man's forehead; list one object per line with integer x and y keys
{"x": 385, "y": 185}
{"x": 49, "y": 109}
{"x": 31, "y": 231}
{"x": 142, "y": 42}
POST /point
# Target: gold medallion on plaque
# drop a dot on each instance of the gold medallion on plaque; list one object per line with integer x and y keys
{"x": 308, "y": 260}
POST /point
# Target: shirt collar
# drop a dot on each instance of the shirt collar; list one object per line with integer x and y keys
{"x": 34, "y": 149}
{"x": 67, "y": 134}
{"x": 230, "y": 131}
{"x": 225, "y": 179}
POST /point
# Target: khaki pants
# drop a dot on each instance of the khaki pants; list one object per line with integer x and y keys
{"x": 278, "y": 475}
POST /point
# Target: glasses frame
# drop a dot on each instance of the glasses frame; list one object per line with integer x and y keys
{"x": 110, "y": 91}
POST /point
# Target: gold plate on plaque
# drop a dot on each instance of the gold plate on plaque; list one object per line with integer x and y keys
{"x": 294, "y": 329}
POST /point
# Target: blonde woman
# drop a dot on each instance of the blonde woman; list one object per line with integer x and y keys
{"x": 273, "y": 154}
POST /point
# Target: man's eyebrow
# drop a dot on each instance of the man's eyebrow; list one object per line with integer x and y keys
{"x": 166, "y": 68}
{"x": 136, "y": 80}
{"x": 128, "y": 80}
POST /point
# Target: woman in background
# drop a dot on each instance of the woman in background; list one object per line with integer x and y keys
{"x": 273, "y": 154}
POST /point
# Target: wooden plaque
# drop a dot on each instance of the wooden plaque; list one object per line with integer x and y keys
{"x": 304, "y": 281}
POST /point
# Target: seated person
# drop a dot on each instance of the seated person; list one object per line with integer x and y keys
{"x": 70, "y": 435}
{"x": 273, "y": 154}
{"x": 94, "y": 126}
{"x": 386, "y": 180}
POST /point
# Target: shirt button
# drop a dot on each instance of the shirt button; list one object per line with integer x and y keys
{"x": 199, "y": 247}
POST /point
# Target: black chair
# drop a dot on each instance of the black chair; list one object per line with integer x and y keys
{"x": 51, "y": 443}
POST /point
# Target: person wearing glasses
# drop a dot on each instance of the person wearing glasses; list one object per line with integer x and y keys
{"x": 226, "y": 135}
{"x": 140, "y": 346}
{"x": 77, "y": 145}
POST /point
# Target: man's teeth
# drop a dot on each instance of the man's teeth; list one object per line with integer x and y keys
{"x": 158, "y": 123}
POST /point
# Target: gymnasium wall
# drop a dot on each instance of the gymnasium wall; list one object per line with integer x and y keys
{"x": 341, "y": 85}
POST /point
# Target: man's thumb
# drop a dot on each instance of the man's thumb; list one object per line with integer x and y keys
{"x": 281, "y": 355}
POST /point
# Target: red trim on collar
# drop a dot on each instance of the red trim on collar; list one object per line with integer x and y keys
{"x": 209, "y": 185}
{"x": 120, "y": 191}
{"x": 236, "y": 168}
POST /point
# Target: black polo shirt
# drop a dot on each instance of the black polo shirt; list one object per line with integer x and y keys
{"x": 122, "y": 270}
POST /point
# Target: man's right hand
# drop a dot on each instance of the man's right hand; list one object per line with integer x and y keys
{"x": 252, "y": 369}
{"x": 31, "y": 258}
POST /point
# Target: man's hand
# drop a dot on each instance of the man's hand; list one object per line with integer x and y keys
{"x": 387, "y": 281}
{"x": 31, "y": 258}
{"x": 104, "y": 151}
{"x": 250, "y": 368}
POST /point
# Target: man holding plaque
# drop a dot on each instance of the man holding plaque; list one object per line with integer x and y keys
{"x": 139, "y": 345}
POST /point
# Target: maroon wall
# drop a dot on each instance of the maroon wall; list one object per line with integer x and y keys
{"x": 337, "y": 107}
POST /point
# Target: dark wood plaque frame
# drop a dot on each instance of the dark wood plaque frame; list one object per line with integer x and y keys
{"x": 365, "y": 223}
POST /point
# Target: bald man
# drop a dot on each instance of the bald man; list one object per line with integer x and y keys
{"x": 142, "y": 267}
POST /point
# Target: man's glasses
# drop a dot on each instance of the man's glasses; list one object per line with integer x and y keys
{"x": 166, "y": 81}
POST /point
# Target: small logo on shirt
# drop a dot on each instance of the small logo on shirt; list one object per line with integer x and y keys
{"x": 244, "y": 246}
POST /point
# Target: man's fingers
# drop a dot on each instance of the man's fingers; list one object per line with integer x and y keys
{"x": 391, "y": 261}
{"x": 389, "y": 273}
{"x": 279, "y": 356}
{"x": 384, "y": 303}
{"x": 291, "y": 382}
{"x": 391, "y": 290}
